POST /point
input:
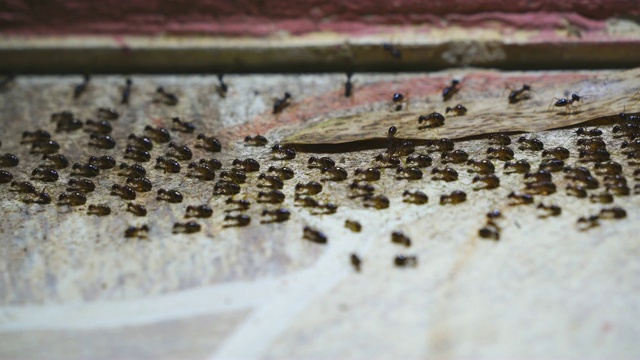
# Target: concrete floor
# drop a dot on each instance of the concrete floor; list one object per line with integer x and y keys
{"x": 74, "y": 287}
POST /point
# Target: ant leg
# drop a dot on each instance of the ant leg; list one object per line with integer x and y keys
{"x": 552, "y": 103}
{"x": 569, "y": 110}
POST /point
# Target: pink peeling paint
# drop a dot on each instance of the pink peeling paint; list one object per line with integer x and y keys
{"x": 262, "y": 18}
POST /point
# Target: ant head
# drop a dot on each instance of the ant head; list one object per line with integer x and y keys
{"x": 398, "y": 97}
{"x": 455, "y": 82}
{"x": 287, "y": 95}
{"x": 526, "y": 87}
{"x": 393, "y": 131}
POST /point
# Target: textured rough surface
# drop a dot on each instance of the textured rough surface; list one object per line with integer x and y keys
{"x": 72, "y": 284}
{"x": 607, "y": 96}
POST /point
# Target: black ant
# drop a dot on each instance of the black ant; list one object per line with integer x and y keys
{"x": 134, "y": 170}
{"x": 348, "y": 85}
{"x": 355, "y": 262}
{"x": 415, "y": 197}
{"x": 182, "y": 126}
{"x": 490, "y": 231}
{"x": 136, "y": 154}
{"x": 566, "y": 103}
{"x": 353, "y": 225}
{"x": 226, "y": 187}
{"x": 398, "y": 100}
{"x": 104, "y": 162}
{"x": 158, "y": 134}
{"x": 222, "y": 87}
{"x": 241, "y": 205}
{"x": 107, "y": 114}
{"x": 518, "y": 95}
{"x": 209, "y": 143}
{"x": 80, "y": 88}
{"x": 98, "y": 210}
{"x": 126, "y": 92}
{"x": 432, "y": 120}
{"x": 124, "y": 192}
{"x": 189, "y": 227}
{"x": 139, "y": 232}
{"x": 137, "y": 209}
{"x": 9, "y": 160}
{"x": 45, "y": 147}
{"x": 165, "y": 97}
{"x": 180, "y": 152}
{"x": 172, "y": 196}
{"x": 280, "y": 104}
{"x": 457, "y": 110}
{"x": 5, "y": 177}
{"x": 314, "y": 235}
{"x": 86, "y": 170}
{"x": 141, "y": 142}
{"x": 589, "y": 132}
{"x": 257, "y": 140}
{"x": 405, "y": 261}
{"x": 237, "y": 220}
{"x": 56, "y": 161}
{"x": 277, "y": 215}
{"x": 102, "y": 141}
{"x": 99, "y": 127}
{"x": 81, "y": 185}
{"x": 72, "y": 199}
{"x": 451, "y": 90}
{"x": 38, "y": 135}
{"x": 456, "y": 197}
{"x": 399, "y": 238}
{"x": 378, "y": 202}
{"x": 44, "y": 174}
{"x": 201, "y": 171}
{"x": 550, "y": 210}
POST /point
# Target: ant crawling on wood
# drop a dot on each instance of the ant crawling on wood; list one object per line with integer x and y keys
{"x": 348, "y": 85}
{"x": 566, "y": 103}
{"x": 521, "y": 94}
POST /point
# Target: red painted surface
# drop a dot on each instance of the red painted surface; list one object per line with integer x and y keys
{"x": 261, "y": 18}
